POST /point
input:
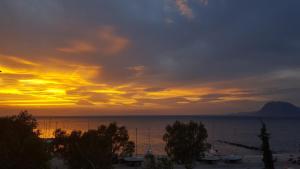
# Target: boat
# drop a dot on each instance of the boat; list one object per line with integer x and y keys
{"x": 136, "y": 160}
{"x": 211, "y": 159}
{"x": 232, "y": 158}
{"x": 133, "y": 161}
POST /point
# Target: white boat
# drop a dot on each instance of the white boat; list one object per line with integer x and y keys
{"x": 232, "y": 158}
{"x": 211, "y": 159}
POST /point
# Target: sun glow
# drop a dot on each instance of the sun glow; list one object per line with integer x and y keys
{"x": 60, "y": 83}
{"x": 24, "y": 82}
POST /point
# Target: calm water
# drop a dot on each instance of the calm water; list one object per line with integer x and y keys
{"x": 285, "y": 131}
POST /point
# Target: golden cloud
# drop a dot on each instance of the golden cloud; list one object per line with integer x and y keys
{"x": 54, "y": 82}
{"x": 25, "y": 82}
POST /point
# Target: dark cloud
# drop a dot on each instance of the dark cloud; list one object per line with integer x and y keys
{"x": 238, "y": 40}
{"x": 213, "y": 97}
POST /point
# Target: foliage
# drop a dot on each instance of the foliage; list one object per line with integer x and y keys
{"x": 149, "y": 162}
{"x": 20, "y": 144}
{"x": 92, "y": 149}
{"x": 128, "y": 149}
{"x": 60, "y": 139}
{"x": 164, "y": 163}
{"x": 185, "y": 142}
{"x": 88, "y": 150}
{"x": 267, "y": 153}
{"x": 118, "y": 135}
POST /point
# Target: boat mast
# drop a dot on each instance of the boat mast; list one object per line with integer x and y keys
{"x": 149, "y": 140}
{"x": 136, "y": 147}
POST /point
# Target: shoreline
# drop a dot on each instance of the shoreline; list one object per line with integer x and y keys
{"x": 248, "y": 162}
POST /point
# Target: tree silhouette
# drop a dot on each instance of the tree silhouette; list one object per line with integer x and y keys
{"x": 20, "y": 145}
{"x": 118, "y": 135}
{"x": 128, "y": 149}
{"x": 185, "y": 142}
{"x": 267, "y": 153}
{"x": 93, "y": 149}
{"x": 87, "y": 150}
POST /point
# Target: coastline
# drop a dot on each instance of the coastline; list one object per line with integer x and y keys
{"x": 248, "y": 162}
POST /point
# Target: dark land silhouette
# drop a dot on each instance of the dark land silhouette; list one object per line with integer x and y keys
{"x": 274, "y": 109}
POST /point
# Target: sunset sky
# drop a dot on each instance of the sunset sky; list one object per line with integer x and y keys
{"x": 107, "y": 57}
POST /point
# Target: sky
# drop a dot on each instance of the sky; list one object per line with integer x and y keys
{"x": 147, "y": 57}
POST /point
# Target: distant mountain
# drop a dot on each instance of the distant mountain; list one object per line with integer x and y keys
{"x": 276, "y": 109}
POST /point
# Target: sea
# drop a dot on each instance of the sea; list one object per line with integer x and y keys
{"x": 147, "y": 131}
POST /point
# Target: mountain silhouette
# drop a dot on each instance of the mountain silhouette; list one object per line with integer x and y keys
{"x": 276, "y": 109}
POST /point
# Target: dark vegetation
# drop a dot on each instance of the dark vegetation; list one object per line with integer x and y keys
{"x": 267, "y": 153}
{"x": 95, "y": 149}
{"x": 185, "y": 142}
{"x": 20, "y": 144}
{"x": 22, "y": 148}
{"x": 150, "y": 162}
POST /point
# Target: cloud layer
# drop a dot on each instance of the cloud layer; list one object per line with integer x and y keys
{"x": 186, "y": 56}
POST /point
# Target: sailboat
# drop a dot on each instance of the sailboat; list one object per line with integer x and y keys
{"x": 232, "y": 158}
{"x": 134, "y": 160}
{"x": 211, "y": 156}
